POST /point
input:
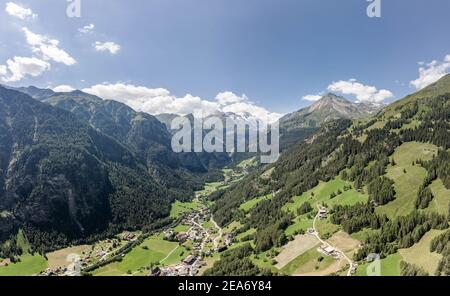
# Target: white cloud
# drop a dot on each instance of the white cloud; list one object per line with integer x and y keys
{"x": 241, "y": 105}
{"x": 226, "y": 98}
{"x": 3, "y": 70}
{"x": 87, "y": 29}
{"x": 19, "y": 67}
{"x": 19, "y": 11}
{"x": 312, "y": 98}
{"x": 112, "y": 47}
{"x": 431, "y": 72}
{"x": 63, "y": 88}
{"x": 363, "y": 93}
{"x": 48, "y": 48}
{"x": 159, "y": 100}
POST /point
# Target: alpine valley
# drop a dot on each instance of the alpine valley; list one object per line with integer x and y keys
{"x": 87, "y": 176}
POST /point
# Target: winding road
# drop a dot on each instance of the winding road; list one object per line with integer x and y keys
{"x": 317, "y": 235}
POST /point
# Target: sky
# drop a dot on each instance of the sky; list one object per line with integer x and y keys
{"x": 265, "y": 57}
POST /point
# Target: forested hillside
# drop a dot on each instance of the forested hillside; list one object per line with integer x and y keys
{"x": 61, "y": 180}
{"x": 363, "y": 154}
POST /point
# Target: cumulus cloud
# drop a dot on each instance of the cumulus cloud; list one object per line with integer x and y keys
{"x": 48, "y": 48}
{"x": 19, "y": 11}
{"x": 431, "y": 72}
{"x": 3, "y": 70}
{"x": 112, "y": 47}
{"x": 159, "y": 100}
{"x": 226, "y": 98}
{"x": 241, "y": 105}
{"x": 20, "y": 67}
{"x": 363, "y": 93}
{"x": 87, "y": 29}
{"x": 63, "y": 88}
{"x": 312, "y": 98}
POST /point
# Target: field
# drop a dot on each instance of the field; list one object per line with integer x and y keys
{"x": 321, "y": 194}
{"x": 308, "y": 262}
{"x": 232, "y": 227}
{"x": 244, "y": 234}
{"x": 344, "y": 242}
{"x": 300, "y": 223}
{"x": 178, "y": 208}
{"x": 407, "y": 177}
{"x": 300, "y": 245}
{"x": 152, "y": 250}
{"x": 59, "y": 258}
{"x": 363, "y": 234}
{"x": 28, "y": 265}
{"x": 326, "y": 228}
{"x": 441, "y": 200}
{"x": 264, "y": 260}
{"x": 181, "y": 228}
{"x": 247, "y": 206}
{"x": 390, "y": 266}
{"x": 420, "y": 254}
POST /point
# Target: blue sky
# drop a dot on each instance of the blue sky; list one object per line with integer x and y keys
{"x": 170, "y": 55}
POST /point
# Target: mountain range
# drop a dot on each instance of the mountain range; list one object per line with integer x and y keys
{"x": 73, "y": 165}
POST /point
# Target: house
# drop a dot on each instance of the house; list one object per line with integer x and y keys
{"x": 169, "y": 235}
{"x": 323, "y": 213}
{"x": 190, "y": 259}
{"x": 182, "y": 237}
{"x": 128, "y": 236}
{"x": 328, "y": 250}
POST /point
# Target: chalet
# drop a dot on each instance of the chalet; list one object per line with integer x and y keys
{"x": 190, "y": 259}
{"x": 182, "y": 237}
{"x": 323, "y": 213}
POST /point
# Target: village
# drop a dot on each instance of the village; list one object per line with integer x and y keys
{"x": 205, "y": 243}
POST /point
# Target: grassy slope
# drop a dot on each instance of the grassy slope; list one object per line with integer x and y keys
{"x": 322, "y": 195}
{"x": 139, "y": 257}
{"x": 406, "y": 184}
{"x": 179, "y": 208}
{"x": 441, "y": 200}
{"x": 318, "y": 195}
{"x": 28, "y": 265}
{"x": 308, "y": 258}
{"x": 420, "y": 254}
{"x": 390, "y": 266}
{"x": 247, "y": 206}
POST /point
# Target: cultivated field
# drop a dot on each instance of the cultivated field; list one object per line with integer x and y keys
{"x": 344, "y": 242}
{"x": 310, "y": 261}
{"x": 295, "y": 248}
{"x": 59, "y": 258}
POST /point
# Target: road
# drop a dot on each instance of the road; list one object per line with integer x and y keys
{"x": 317, "y": 235}
{"x": 217, "y": 239}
